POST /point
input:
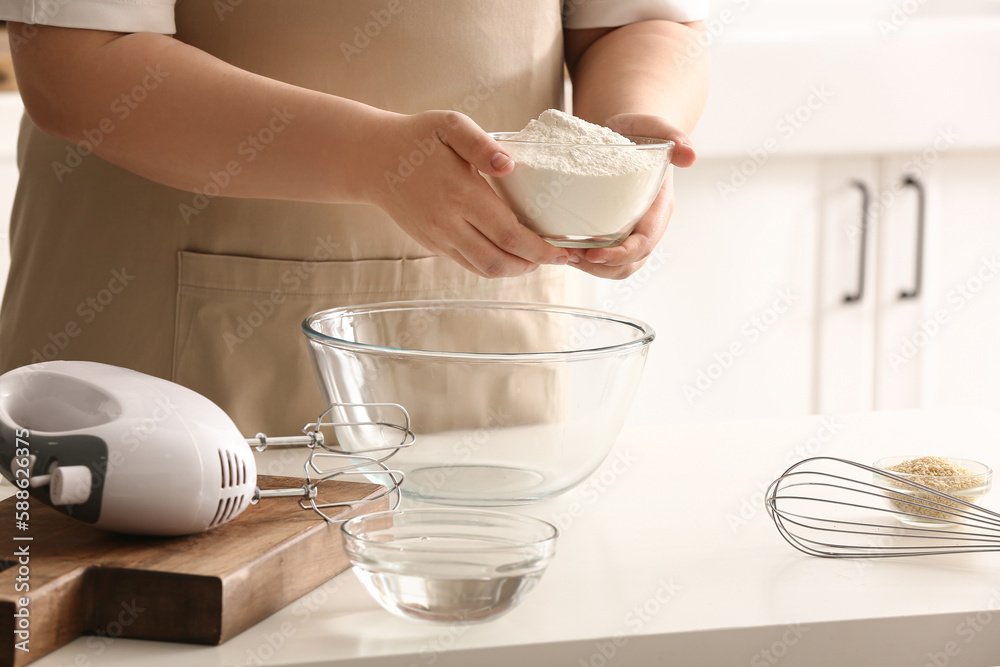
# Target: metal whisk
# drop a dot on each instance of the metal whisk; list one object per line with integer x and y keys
{"x": 835, "y": 508}
{"x": 383, "y": 437}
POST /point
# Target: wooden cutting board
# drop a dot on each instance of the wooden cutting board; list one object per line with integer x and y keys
{"x": 199, "y": 589}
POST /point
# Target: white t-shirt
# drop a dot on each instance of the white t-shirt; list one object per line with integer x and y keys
{"x": 158, "y": 15}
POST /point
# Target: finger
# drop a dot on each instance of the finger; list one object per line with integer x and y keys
{"x": 497, "y": 223}
{"x": 643, "y": 239}
{"x": 683, "y": 155}
{"x": 609, "y": 272}
{"x": 637, "y": 247}
{"x": 488, "y": 259}
{"x": 495, "y": 220}
{"x": 474, "y": 252}
{"x": 647, "y": 125}
{"x": 442, "y": 242}
{"x": 460, "y": 259}
{"x": 474, "y": 145}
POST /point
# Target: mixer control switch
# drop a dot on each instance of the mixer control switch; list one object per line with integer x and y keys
{"x": 70, "y": 485}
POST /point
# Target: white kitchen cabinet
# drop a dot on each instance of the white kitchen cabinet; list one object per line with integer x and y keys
{"x": 846, "y": 277}
{"x": 795, "y": 227}
{"x": 730, "y": 293}
{"x": 904, "y": 95}
{"x": 901, "y": 294}
{"x": 867, "y": 261}
{"x": 960, "y": 356}
{"x": 922, "y": 334}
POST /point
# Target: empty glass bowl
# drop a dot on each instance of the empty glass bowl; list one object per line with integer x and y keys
{"x": 449, "y": 565}
{"x": 929, "y": 508}
{"x": 582, "y": 207}
{"x": 510, "y": 402}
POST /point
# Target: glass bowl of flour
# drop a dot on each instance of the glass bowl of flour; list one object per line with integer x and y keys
{"x": 580, "y": 185}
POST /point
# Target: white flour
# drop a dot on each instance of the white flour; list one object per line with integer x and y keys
{"x": 579, "y": 184}
{"x": 557, "y": 127}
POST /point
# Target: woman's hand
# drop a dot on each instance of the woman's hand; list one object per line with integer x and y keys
{"x": 623, "y": 260}
{"x": 432, "y": 188}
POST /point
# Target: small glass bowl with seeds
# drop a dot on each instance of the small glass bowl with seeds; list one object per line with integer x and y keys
{"x": 950, "y": 478}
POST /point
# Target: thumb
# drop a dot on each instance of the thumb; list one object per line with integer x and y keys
{"x": 475, "y": 146}
{"x": 647, "y": 125}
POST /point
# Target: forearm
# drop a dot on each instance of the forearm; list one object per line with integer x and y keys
{"x": 642, "y": 68}
{"x": 177, "y": 115}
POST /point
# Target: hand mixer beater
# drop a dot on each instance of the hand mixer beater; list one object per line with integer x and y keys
{"x": 132, "y": 453}
{"x": 836, "y": 508}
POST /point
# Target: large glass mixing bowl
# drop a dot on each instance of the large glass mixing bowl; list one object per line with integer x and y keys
{"x": 510, "y": 403}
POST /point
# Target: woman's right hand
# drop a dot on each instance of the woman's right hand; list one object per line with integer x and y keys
{"x": 432, "y": 188}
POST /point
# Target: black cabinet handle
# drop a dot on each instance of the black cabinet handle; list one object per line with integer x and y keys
{"x": 911, "y": 182}
{"x": 865, "y": 200}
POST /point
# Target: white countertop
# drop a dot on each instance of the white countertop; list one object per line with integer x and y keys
{"x": 667, "y": 552}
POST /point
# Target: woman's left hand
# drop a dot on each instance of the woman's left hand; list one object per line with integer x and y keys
{"x": 623, "y": 260}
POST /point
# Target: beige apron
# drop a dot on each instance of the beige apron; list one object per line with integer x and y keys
{"x": 109, "y": 266}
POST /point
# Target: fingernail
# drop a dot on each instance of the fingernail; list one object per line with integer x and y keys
{"x": 561, "y": 260}
{"x": 599, "y": 260}
{"x": 574, "y": 259}
{"x": 499, "y": 161}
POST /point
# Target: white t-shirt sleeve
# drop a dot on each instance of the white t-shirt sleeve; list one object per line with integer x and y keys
{"x": 611, "y": 13}
{"x": 115, "y": 15}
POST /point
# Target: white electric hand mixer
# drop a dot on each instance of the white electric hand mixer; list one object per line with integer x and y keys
{"x": 133, "y": 453}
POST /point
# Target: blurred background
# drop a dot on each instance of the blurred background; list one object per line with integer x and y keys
{"x": 816, "y": 110}
{"x": 837, "y": 246}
